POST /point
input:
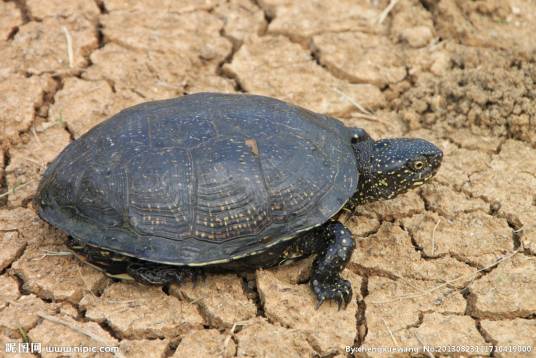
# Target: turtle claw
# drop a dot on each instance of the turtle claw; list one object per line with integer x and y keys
{"x": 319, "y": 303}
{"x": 340, "y": 301}
{"x": 338, "y": 290}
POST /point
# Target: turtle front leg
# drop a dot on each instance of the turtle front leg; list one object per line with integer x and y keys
{"x": 326, "y": 282}
{"x": 158, "y": 274}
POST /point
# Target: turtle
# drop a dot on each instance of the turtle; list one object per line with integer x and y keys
{"x": 165, "y": 191}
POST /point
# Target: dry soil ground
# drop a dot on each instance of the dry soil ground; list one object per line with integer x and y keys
{"x": 451, "y": 264}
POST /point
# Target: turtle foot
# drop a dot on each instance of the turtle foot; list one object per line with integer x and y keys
{"x": 337, "y": 289}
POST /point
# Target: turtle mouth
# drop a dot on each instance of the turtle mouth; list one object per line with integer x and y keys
{"x": 424, "y": 176}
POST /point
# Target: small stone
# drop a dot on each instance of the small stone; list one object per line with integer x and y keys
{"x": 205, "y": 343}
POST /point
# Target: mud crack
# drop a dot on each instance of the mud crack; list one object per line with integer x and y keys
{"x": 24, "y": 11}
{"x": 220, "y": 71}
{"x": 361, "y": 316}
{"x": 249, "y": 284}
{"x": 3, "y": 178}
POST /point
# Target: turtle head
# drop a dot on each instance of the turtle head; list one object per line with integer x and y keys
{"x": 389, "y": 167}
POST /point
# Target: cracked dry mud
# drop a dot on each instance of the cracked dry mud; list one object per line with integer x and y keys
{"x": 453, "y": 263}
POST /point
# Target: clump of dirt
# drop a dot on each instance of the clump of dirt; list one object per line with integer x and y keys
{"x": 492, "y": 98}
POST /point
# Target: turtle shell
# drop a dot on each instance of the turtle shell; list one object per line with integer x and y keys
{"x": 200, "y": 179}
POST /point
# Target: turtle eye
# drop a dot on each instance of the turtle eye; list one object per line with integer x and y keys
{"x": 417, "y": 165}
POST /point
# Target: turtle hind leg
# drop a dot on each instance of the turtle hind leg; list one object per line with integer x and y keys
{"x": 158, "y": 274}
{"x": 112, "y": 264}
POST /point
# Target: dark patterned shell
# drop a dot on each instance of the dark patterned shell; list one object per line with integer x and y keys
{"x": 200, "y": 179}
